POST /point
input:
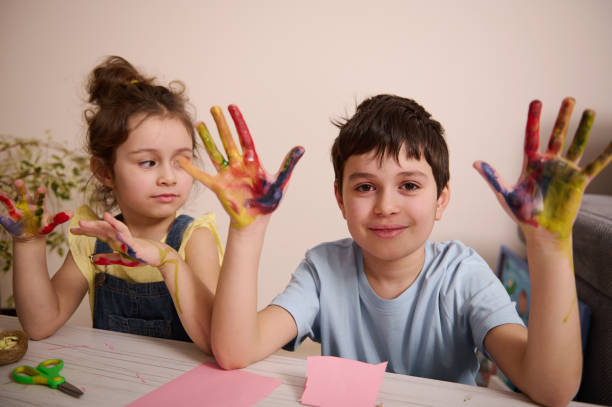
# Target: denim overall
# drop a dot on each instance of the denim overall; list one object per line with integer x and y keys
{"x": 138, "y": 308}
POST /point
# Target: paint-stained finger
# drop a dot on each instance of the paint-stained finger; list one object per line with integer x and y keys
{"x": 95, "y": 228}
{"x": 225, "y": 134}
{"x": 39, "y": 212}
{"x": 272, "y": 196}
{"x": 532, "y": 130}
{"x": 127, "y": 247}
{"x": 109, "y": 259}
{"x": 575, "y": 150}
{"x": 504, "y": 196}
{"x": 196, "y": 173}
{"x": 115, "y": 223}
{"x": 22, "y": 193}
{"x": 491, "y": 177}
{"x": 557, "y": 138}
{"x": 58, "y": 219}
{"x": 10, "y": 206}
{"x": 598, "y": 164}
{"x": 291, "y": 159}
{"x": 211, "y": 147}
{"x": 244, "y": 135}
{"x": 14, "y": 228}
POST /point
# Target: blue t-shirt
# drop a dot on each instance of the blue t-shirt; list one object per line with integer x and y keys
{"x": 430, "y": 330}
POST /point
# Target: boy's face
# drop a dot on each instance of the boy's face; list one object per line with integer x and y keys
{"x": 390, "y": 207}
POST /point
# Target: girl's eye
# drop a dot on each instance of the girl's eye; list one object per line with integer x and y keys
{"x": 409, "y": 186}
{"x": 147, "y": 163}
{"x": 364, "y": 188}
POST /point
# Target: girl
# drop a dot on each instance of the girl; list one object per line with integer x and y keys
{"x": 145, "y": 264}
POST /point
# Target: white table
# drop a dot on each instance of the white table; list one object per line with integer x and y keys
{"x": 114, "y": 369}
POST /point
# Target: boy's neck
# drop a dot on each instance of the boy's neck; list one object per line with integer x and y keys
{"x": 389, "y": 279}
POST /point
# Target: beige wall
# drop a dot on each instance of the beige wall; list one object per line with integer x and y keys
{"x": 292, "y": 66}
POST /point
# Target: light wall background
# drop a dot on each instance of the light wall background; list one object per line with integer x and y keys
{"x": 293, "y": 66}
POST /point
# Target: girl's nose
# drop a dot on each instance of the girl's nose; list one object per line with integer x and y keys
{"x": 167, "y": 175}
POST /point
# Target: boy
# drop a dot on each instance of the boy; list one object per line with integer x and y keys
{"x": 388, "y": 294}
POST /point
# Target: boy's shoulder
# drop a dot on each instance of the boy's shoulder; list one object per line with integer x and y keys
{"x": 452, "y": 249}
{"x": 456, "y": 266}
{"x": 340, "y": 244}
{"x": 331, "y": 250}
{"x": 342, "y": 254}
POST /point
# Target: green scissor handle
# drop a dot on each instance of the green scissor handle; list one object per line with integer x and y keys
{"x": 46, "y": 373}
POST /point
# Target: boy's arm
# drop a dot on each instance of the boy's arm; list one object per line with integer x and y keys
{"x": 43, "y": 304}
{"x": 546, "y": 361}
{"x": 241, "y": 335}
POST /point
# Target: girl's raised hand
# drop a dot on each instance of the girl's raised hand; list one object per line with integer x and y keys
{"x": 28, "y": 218}
{"x": 129, "y": 251}
{"x": 241, "y": 184}
{"x": 550, "y": 188}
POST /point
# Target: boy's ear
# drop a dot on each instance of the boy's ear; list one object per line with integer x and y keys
{"x": 99, "y": 170}
{"x": 443, "y": 200}
{"x": 339, "y": 199}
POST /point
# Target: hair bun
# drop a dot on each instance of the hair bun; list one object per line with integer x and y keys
{"x": 111, "y": 75}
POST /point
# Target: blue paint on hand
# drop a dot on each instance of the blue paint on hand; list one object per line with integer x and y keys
{"x": 14, "y": 228}
{"x": 491, "y": 177}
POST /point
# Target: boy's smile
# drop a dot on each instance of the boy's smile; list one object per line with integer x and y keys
{"x": 390, "y": 206}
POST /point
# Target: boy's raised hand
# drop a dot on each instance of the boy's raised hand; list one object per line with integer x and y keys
{"x": 28, "y": 218}
{"x": 241, "y": 184}
{"x": 129, "y": 251}
{"x": 550, "y": 188}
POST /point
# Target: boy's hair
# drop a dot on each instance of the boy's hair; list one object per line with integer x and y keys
{"x": 385, "y": 123}
{"x": 117, "y": 92}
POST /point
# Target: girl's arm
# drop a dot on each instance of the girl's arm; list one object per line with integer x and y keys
{"x": 241, "y": 335}
{"x": 546, "y": 361}
{"x": 43, "y": 305}
{"x": 196, "y": 285}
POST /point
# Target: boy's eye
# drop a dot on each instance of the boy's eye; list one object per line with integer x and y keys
{"x": 409, "y": 186}
{"x": 364, "y": 188}
{"x": 147, "y": 163}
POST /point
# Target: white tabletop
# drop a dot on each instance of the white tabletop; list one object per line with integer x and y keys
{"x": 114, "y": 369}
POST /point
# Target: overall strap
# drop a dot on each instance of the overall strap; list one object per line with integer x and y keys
{"x": 174, "y": 238}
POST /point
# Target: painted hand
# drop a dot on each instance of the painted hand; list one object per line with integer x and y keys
{"x": 550, "y": 188}
{"x": 241, "y": 184}
{"x": 28, "y": 218}
{"x": 129, "y": 251}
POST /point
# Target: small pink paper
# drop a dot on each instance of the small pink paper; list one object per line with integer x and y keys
{"x": 209, "y": 385}
{"x": 333, "y": 381}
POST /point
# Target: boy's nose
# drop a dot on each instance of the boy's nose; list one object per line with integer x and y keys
{"x": 386, "y": 204}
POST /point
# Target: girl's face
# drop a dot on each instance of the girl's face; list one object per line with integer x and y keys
{"x": 147, "y": 180}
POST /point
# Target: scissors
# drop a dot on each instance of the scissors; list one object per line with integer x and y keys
{"x": 47, "y": 373}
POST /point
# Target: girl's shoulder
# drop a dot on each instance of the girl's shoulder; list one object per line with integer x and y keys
{"x": 206, "y": 221}
{"x": 83, "y": 213}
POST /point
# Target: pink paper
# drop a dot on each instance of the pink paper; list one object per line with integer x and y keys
{"x": 332, "y": 381}
{"x": 209, "y": 385}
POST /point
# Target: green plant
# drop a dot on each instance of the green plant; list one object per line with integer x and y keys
{"x": 39, "y": 162}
